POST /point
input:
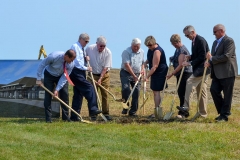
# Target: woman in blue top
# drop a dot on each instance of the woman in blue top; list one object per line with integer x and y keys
{"x": 177, "y": 59}
{"x": 156, "y": 60}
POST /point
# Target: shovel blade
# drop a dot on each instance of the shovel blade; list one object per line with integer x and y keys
{"x": 124, "y": 105}
{"x": 168, "y": 116}
{"x": 160, "y": 113}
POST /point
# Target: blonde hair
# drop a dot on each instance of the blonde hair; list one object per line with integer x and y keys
{"x": 175, "y": 38}
{"x": 150, "y": 40}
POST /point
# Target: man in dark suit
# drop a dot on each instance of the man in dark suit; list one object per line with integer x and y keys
{"x": 196, "y": 59}
{"x": 223, "y": 62}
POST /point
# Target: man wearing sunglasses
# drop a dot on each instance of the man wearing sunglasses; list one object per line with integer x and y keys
{"x": 82, "y": 88}
{"x": 224, "y": 69}
{"x": 196, "y": 60}
{"x": 101, "y": 62}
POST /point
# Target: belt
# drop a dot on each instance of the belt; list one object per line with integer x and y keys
{"x": 99, "y": 74}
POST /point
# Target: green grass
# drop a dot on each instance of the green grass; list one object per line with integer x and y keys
{"x": 34, "y": 139}
{"x": 123, "y": 138}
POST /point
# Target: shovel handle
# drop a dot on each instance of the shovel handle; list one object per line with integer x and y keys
{"x": 103, "y": 88}
{"x": 133, "y": 88}
{"x": 81, "y": 119}
{"x": 98, "y": 99}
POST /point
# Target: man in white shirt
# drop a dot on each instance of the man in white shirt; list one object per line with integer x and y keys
{"x": 101, "y": 62}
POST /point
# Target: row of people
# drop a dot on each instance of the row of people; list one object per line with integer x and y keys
{"x": 222, "y": 58}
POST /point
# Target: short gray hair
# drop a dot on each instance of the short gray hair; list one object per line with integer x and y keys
{"x": 136, "y": 41}
{"x": 84, "y": 36}
{"x": 220, "y": 26}
{"x": 101, "y": 40}
{"x": 189, "y": 28}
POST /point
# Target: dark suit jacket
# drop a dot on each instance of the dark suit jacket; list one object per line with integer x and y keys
{"x": 199, "y": 50}
{"x": 224, "y": 61}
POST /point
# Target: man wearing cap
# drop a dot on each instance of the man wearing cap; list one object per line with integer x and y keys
{"x": 101, "y": 62}
{"x": 54, "y": 66}
{"x": 82, "y": 88}
{"x": 132, "y": 66}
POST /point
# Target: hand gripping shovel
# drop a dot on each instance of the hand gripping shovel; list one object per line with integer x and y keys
{"x": 170, "y": 113}
{"x": 95, "y": 88}
{"x": 82, "y": 120}
{"x": 200, "y": 93}
{"x": 124, "y": 104}
{"x": 158, "y": 110}
{"x": 118, "y": 100}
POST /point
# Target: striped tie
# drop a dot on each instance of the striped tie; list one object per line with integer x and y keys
{"x": 66, "y": 74}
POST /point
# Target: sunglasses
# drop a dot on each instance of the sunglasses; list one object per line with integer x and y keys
{"x": 214, "y": 32}
{"x": 187, "y": 35}
{"x": 149, "y": 45}
{"x": 102, "y": 46}
{"x": 86, "y": 41}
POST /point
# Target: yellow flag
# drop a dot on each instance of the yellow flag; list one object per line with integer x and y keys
{"x": 42, "y": 51}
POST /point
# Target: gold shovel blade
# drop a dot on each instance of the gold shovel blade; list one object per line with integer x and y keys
{"x": 125, "y": 106}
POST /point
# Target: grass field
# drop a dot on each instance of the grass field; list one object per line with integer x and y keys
{"x": 124, "y": 137}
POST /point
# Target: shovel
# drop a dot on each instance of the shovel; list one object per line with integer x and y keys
{"x": 170, "y": 113}
{"x": 95, "y": 88}
{"x": 158, "y": 110}
{"x": 144, "y": 94}
{"x": 124, "y": 104}
{"x": 199, "y": 97}
{"x": 81, "y": 119}
{"x": 118, "y": 100}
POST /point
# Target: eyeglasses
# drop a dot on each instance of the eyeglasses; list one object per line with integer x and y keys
{"x": 102, "y": 46}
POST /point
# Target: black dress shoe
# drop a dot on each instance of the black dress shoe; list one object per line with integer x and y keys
{"x": 96, "y": 112}
{"x": 222, "y": 119}
{"x": 183, "y": 109}
{"x": 124, "y": 111}
{"x": 93, "y": 118}
{"x": 109, "y": 118}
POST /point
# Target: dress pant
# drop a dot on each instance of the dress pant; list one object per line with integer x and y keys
{"x": 82, "y": 88}
{"x": 182, "y": 86}
{"x": 50, "y": 82}
{"x": 104, "y": 94}
{"x": 195, "y": 83}
{"x": 222, "y": 104}
{"x": 127, "y": 81}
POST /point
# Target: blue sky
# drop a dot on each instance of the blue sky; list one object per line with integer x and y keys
{"x": 28, "y": 24}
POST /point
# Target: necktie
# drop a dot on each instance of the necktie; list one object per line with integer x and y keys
{"x": 66, "y": 74}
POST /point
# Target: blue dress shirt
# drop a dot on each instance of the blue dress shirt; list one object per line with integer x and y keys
{"x": 53, "y": 63}
{"x": 79, "y": 60}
